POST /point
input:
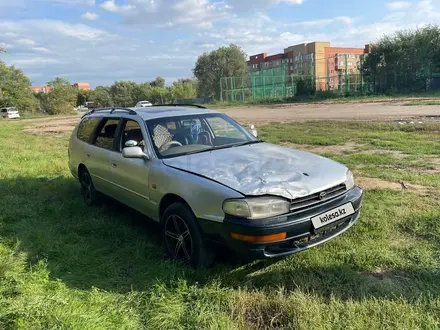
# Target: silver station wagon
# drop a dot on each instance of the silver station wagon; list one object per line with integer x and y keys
{"x": 211, "y": 183}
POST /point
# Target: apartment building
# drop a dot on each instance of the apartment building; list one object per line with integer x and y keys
{"x": 318, "y": 59}
{"x": 82, "y": 86}
{"x": 41, "y": 89}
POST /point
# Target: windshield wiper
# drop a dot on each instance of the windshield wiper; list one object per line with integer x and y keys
{"x": 247, "y": 143}
{"x": 196, "y": 151}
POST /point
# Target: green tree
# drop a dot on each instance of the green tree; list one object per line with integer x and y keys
{"x": 58, "y": 81}
{"x": 61, "y": 99}
{"x": 184, "y": 89}
{"x": 101, "y": 96}
{"x": 15, "y": 89}
{"x": 404, "y": 61}
{"x": 142, "y": 92}
{"x": 82, "y": 97}
{"x": 122, "y": 93}
{"x": 160, "y": 95}
{"x": 158, "y": 82}
{"x": 223, "y": 62}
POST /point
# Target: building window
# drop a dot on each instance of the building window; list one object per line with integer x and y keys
{"x": 349, "y": 63}
{"x": 341, "y": 63}
{"x": 332, "y": 79}
{"x": 331, "y": 71}
{"x": 291, "y": 68}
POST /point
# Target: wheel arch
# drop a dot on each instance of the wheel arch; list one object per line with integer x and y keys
{"x": 169, "y": 199}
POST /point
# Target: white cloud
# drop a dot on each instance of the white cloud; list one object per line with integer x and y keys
{"x": 78, "y": 31}
{"x": 25, "y": 42}
{"x": 42, "y": 50}
{"x": 198, "y": 14}
{"x": 30, "y": 62}
{"x": 110, "y": 5}
{"x": 321, "y": 22}
{"x": 398, "y": 5}
{"x": 90, "y": 16}
{"x": 70, "y": 2}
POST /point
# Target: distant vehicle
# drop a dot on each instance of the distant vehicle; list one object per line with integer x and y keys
{"x": 11, "y": 113}
{"x": 91, "y": 105}
{"x": 143, "y": 104}
{"x": 81, "y": 108}
{"x": 208, "y": 181}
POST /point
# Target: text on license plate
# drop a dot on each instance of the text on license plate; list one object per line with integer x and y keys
{"x": 332, "y": 215}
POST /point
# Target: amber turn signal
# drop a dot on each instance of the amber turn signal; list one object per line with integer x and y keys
{"x": 259, "y": 239}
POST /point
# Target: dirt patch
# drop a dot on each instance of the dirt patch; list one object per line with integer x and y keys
{"x": 337, "y": 149}
{"x": 52, "y": 126}
{"x": 373, "y": 183}
{"x": 372, "y": 111}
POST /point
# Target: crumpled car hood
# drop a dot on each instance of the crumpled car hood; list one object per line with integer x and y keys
{"x": 264, "y": 169}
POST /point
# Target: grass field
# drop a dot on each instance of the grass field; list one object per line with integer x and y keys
{"x": 66, "y": 266}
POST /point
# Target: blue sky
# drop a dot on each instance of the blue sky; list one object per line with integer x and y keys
{"x": 101, "y": 41}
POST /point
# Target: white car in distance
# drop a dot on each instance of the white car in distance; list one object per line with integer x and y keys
{"x": 11, "y": 113}
{"x": 143, "y": 104}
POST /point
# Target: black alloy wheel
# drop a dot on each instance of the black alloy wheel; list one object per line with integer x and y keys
{"x": 183, "y": 238}
{"x": 178, "y": 238}
{"x": 87, "y": 188}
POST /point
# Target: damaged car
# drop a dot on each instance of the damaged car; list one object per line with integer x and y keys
{"x": 209, "y": 182}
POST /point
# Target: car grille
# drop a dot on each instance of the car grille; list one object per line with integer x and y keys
{"x": 317, "y": 198}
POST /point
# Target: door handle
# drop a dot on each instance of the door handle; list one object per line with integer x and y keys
{"x": 114, "y": 165}
{"x": 88, "y": 155}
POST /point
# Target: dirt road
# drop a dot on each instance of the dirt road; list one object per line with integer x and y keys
{"x": 349, "y": 111}
{"x": 280, "y": 113}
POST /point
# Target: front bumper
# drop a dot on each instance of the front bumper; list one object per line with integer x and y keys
{"x": 301, "y": 234}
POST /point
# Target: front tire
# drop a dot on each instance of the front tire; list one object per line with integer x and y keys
{"x": 182, "y": 237}
{"x": 88, "y": 190}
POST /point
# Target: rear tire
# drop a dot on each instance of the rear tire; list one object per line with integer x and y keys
{"x": 182, "y": 237}
{"x": 90, "y": 195}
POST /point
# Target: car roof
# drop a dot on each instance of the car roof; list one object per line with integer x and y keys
{"x": 154, "y": 112}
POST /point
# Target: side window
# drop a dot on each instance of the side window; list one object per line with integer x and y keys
{"x": 86, "y": 128}
{"x": 132, "y": 131}
{"x": 223, "y": 129}
{"x": 106, "y": 136}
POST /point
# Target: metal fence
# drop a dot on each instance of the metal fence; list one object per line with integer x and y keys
{"x": 278, "y": 83}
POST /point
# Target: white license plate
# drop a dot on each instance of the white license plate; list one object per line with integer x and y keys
{"x": 332, "y": 215}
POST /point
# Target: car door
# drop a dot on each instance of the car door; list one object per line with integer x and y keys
{"x": 100, "y": 153}
{"x": 130, "y": 175}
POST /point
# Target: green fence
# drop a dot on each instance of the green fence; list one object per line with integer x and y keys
{"x": 354, "y": 79}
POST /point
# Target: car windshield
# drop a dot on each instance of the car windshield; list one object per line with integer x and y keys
{"x": 183, "y": 135}
{"x": 12, "y": 110}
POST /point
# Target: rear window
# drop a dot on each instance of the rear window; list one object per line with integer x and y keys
{"x": 86, "y": 128}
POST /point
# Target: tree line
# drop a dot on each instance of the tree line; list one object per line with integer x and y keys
{"x": 64, "y": 97}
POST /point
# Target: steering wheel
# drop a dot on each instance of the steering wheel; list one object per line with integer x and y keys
{"x": 168, "y": 145}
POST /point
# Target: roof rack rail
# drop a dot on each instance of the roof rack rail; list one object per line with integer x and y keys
{"x": 112, "y": 109}
{"x": 180, "y": 105}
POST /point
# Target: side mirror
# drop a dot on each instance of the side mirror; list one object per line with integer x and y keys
{"x": 134, "y": 152}
{"x": 131, "y": 143}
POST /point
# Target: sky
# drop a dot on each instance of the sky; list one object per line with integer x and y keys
{"x": 101, "y": 41}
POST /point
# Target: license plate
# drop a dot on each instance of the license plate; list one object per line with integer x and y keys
{"x": 333, "y": 215}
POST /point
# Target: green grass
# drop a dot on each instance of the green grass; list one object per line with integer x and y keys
{"x": 66, "y": 266}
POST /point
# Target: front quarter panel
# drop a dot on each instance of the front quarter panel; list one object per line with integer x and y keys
{"x": 204, "y": 196}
